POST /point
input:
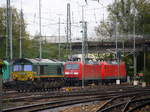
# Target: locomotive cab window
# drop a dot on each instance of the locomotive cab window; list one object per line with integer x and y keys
{"x": 27, "y": 67}
{"x": 22, "y": 68}
{"x": 72, "y": 66}
{"x": 17, "y": 68}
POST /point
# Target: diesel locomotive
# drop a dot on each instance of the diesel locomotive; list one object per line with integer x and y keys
{"x": 35, "y": 74}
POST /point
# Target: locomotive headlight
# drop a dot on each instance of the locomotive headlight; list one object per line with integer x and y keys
{"x": 22, "y": 73}
{"x": 30, "y": 77}
{"x": 76, "y": 73}
{"x": 66, "y": 72}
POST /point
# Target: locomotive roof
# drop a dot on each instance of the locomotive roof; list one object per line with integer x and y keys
{"x": 35, "y": 61}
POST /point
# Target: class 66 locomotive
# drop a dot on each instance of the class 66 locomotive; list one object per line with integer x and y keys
{"x": 37, "y": 74}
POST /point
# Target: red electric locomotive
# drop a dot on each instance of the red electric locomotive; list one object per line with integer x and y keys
{"x": 93, "y": 72}
{"x": 111, "y": 71}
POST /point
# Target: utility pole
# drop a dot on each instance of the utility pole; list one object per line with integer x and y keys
{"x": 85, "y": 40}
{"x": 145, "y": 49}
{"x": 117, "y": 52}
{"x": 69, "y": 30}
{"x": 6, "y": 18}
{"x": 20, "y": 42}
{"x": 9, "y": 30}
{"x": 134, "y": 48}
{"x": 116, "y": 31}
{"x": 83, "y": 46}
{"x": 40, "y": 29}
{"x": 59, "y": 38}
{"x": 123, "y": 47}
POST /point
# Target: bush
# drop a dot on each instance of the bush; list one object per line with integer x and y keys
{"x": 147, "y": 76}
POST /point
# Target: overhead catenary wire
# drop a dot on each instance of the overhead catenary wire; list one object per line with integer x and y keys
{"x": 45, "y": 19}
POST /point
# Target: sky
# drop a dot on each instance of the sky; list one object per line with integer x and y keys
{"x": 51, "y": 10}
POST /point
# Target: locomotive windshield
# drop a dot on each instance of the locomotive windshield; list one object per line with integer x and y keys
{"x": 72, "y": 66}
{"x": 22, "y": 68}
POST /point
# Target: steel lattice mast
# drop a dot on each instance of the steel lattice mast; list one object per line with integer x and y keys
{"x": 69, "y": 30}
{"x": 9, "y": 31}
{"x": 20, "y": 39}
{"x": 40, "y": 39}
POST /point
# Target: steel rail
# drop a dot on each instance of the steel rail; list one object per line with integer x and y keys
{"x": 54, "y": 104}
{"x": 54, "y": 95}
{"x": 140, "y": 106}
{"x": 126, "y": 103}
{"x": 49, "y": 105}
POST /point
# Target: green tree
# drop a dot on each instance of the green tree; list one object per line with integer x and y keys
{"x": 15, "y": 32}
{"x": 49, "y": 50}
{"x": 105, "y": 29}
{"x": 147, "y": 76}
{"x": 125, "y": 11}
{"x": 2, "y": 32}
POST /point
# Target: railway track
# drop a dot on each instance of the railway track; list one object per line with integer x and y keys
{"x": 125, "y": 103}
{"x": 71, "y": 94}
{"x": 16, "y": 94}
{"x": 71, "y": 101}
{"x": 141, "y": 106}
{"x": 49, "y": 105}
{"x": 95, "y": 87}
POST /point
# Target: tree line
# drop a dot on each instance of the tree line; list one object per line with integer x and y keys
{"x": 128, "y": 14}
{"x": 30, "y": 47}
